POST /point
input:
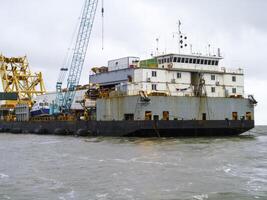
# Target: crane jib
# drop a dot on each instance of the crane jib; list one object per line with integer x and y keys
{"x": 64, "y": 100}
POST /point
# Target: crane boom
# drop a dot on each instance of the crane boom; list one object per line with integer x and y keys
{"x": 64, "y": 100}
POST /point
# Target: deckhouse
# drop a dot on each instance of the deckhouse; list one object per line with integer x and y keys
{"x": 171, "y": 75}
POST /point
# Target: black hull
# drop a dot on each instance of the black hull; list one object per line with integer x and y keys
{"x": 186, "y": 128}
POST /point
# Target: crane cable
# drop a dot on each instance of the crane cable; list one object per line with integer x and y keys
{"x": 70, "y": 49}
{"x": 103, "y": 12}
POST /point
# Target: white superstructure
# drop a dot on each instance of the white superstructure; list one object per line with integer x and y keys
{"x": 169, "y": 74}
{"x": 173, "y": 75}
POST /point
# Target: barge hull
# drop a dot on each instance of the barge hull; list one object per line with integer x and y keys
{"x": 183, "y": 128}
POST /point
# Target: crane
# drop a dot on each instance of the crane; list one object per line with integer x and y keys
{"x": 17, "y": 77}
{"x": 64, "y": 100}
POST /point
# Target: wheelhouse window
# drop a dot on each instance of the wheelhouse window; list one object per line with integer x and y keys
{"x": 154, "y": 73}
{"x": 188, "y": 60}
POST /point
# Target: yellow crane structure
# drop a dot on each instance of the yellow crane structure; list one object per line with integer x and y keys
{"x": 17, "y": 77}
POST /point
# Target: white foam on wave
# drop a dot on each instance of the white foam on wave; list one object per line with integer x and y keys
{"x": 154, "y": 162}
{"x": 83, "y": 158}
{"x": 128, "y": 189}
{"x": 4, "y": 176}
{"x": 102, "y": 195}
{"x": 254, "y": 185}
{"x": 167, "y": 190}
{"x": 121, "y": 160}
{"x": 140, "y": 160}
{"x": 6, "y": 197}
{"x": 114, "y": 174}
{"x": 227, "y": 170}
{"x": 50, "y": 142}
{"x": 71, "y": 194}
{"x": 201, "y": 197}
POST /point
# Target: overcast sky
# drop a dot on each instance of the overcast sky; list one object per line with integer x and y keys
{"x": 43, "y": 30}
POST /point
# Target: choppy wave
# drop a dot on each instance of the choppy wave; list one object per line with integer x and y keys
{"x": 141, "y": 160}
{"x": 102, "y": 196}
{"x": 2, "y": 176}
{"x": 118, "y": 168}
{"x": 5, "y": 197}
{"x": 201, "y": 197}
{"x": 50, "y": 142}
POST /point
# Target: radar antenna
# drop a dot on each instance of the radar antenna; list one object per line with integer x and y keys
{"x": 182, "y": 38}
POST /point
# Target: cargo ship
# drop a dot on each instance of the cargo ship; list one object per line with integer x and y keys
{"x": 168, "y": 95}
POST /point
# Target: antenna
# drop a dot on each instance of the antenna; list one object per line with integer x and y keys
{"x": 179, "y": 35}
{"x": 181, "y": 38}
{"x": 157, "y": 48}
{"x": 219, "y": 52}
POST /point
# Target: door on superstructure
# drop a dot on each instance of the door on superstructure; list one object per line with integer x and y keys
{"x": 248, "y": 116}
{"x": 234, "y": 115}
{"x": 204, "y": 116}
{"x": 148, "y": 115}
{"x": 166, "y": 115}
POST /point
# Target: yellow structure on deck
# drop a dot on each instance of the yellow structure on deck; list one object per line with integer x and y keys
{"x": 17, "y": 77}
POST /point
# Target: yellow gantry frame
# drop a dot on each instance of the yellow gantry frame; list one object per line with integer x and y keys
{"x": 16, "y": 77}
